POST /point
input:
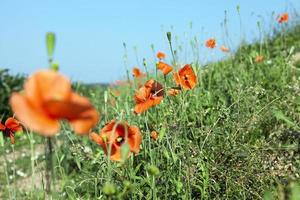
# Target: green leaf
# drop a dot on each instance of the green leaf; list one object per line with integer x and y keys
{"x": 268, "y": 196}
{"x": 162, "y": 133}
{"x": 1, "y": 139}
{"x": 50, "y": 42}
{"x": 280, "y": 116}
{"x": 295, "y": 192}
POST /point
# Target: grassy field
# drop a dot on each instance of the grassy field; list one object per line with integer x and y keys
{"x": 234, "y": 136}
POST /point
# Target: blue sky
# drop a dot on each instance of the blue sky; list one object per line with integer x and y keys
{"x": 90, "y": 34}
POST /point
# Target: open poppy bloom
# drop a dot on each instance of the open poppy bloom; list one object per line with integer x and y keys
{"x": 210, "y": 43}
{"x": 186, "y": 77}
{"x": 173, "y": 92}
{"x": 161, "y": 55}
{"x": 48, "y": 98}
{"x": 259, "y": 59}
{"x": 148, "y": 95}
{"x": 164, "y": 67}
{"x": 10, "y": 127}
{"x": 224, "y": 49}
{"x": 283, "y": 18}
{"x": 114, "y": 135}
{"x": 137, "y": 73}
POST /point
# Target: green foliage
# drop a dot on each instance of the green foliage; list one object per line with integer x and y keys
{"x": 8, "y": 84}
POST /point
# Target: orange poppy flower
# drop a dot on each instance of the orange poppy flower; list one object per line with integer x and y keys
{"x": 148, "y": 96}
{"x": 137, "y": 73}
{"x": 186, "y": 77}
{"x": 173, "y": 92}
{"x": 224, "y": 49}
{"x": 46, "y": 99}
{"x": 210, "y": 43}
{"x": 283, "y": 18}
{"x": 164, "y": 67}
{"x": 10, "y": 127}
{"x": 259, "y": 59}
{"x": 161, "y": 55}
{"x": 114, "y": 135}
{"x": 154, "y": 135}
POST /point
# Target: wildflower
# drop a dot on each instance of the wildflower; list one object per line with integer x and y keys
{"x": 164, "y": 67}
{"x": 10, "y": 127}
{"x": 186, "y": 77}
{"x": 161, "y": 55}
{"x": 210, "y": 43}
{"x": 114, "y": 135}
{"x": 154, "y": 135}
{"x": 283, "y": 18}
{"x": 173, "y": 92}
{"x": 137, "y": 73}
{"x": 224, "y": 49}
{"x": 46, "y": 99}
{"x": 148, "y": 96}
{"x": 259, "y": 59}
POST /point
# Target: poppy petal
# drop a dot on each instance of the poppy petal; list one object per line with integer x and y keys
{"x": 116, "y": 152}
{"x": 96, "y": 138}
{"x": 2, "y": 127}
{"x": 82, "y": 122}
{"x": 142, "y": 107}
{"x": 47, "y": 85}
{"x": 37, "y": 121}
{"x": 136, "y": 139}
{"x": 13, "y": 125}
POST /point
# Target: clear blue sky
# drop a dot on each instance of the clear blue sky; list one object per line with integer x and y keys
{"x": 90, "y": 33}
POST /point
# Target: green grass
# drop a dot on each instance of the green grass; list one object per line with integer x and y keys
{"x": 235, "y": 136}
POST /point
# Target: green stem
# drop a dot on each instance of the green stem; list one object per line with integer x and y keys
{"x": 49, "y": 166}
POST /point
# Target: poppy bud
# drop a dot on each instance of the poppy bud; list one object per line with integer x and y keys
{"x": 55, "y": 66}
{"x": 153, "y": 170}
{"x": 125, "y": 151}
{"x": 169, "y": 36}
{"x": 128, "y": 185}
{"x": 109, "y": 189}
{"x": 238, "y": 8}
{"x": 50, "y": 43}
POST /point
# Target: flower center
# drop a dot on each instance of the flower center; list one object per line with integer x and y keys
{"x": 119, "y": 140}
{"x": 186, "y": 77}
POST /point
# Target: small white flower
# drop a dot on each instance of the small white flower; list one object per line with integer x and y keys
{"x": 20, "y": 173}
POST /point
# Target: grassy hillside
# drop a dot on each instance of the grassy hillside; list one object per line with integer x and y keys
{"x": 234, "y": 136}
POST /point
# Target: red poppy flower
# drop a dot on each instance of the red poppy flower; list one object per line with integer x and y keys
{"x": 114, "y": 135}
{"x": 137, "y": 73}
{"x": 10, "y": 127}
{"x": 224, "y": 49}
{"x": 186, "y": 77}
{"x": 210, "y": 43}
{"x": 164, "y": 67}
{"x": 148, "y": 96}
{"x": 283, "y": 18}
{"x": 48, "y": 98}
{"x": 161, "y": 55}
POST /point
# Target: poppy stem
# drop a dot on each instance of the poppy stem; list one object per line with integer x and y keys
{"x": 49, "y": 166}
{"x": 169, "y": 36}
